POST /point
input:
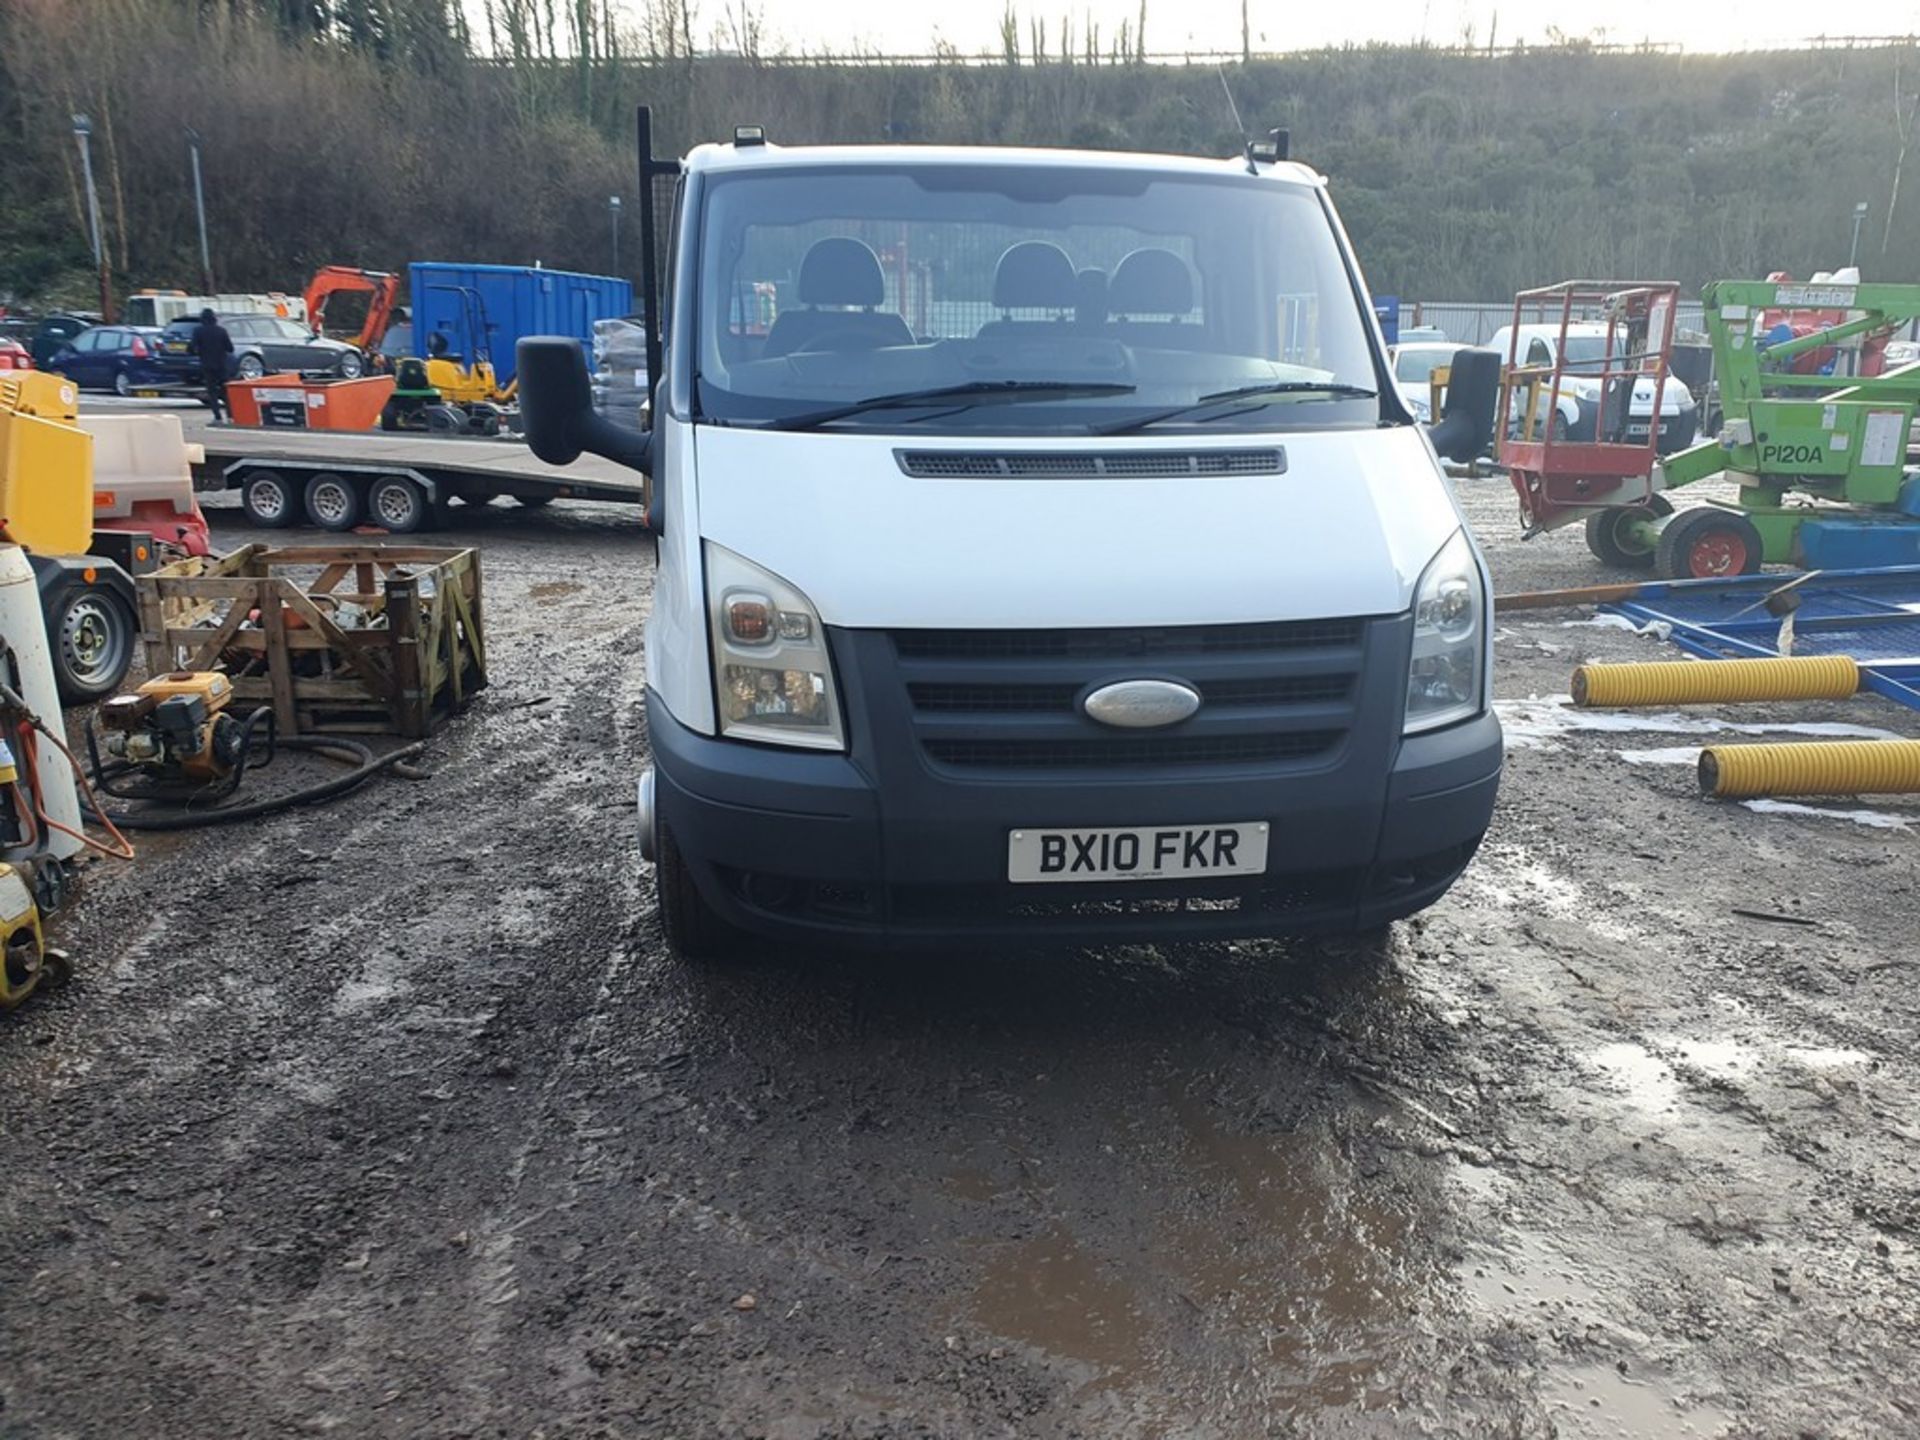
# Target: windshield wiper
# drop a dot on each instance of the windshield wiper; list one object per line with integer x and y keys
{"x": 1332, "y": 389}
{"x": 973, "y": 392}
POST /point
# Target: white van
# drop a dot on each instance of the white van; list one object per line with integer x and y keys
{"x": 1044, "y": 552}
{"x": 1576, "y": 401}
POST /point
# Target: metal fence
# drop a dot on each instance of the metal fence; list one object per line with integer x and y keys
{"x": 1468, "y": 322}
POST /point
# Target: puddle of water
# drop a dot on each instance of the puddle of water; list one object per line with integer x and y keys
{"x": 1872, "y": 819}
{"x": 973, "y": 1185}
{"x": 1722, "y": 1059}
{"x": 1307, "y": 1260}
{"x": 1514, "y": 880}
{"x": 1537, "y": 723}
{"x": 1533, "y": 1278}
{"x": 1598, "y": 1403}
{"x": 1641, "y": 1076}
{"x": 1048, "y": 1293}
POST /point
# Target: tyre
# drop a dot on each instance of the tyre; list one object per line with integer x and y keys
{"x": 251, "y": 367}
{"x": 334, "y": 502}
{"x": 693, "y": 928}
{"x": 398, "y": 504}
{"x": 92, "y": 634}
{"x": 1707, "y": 542}
{"x": 352, "y": 367}
{"x": 1609, "y": 537}
{"x": 533, "y": 502}
{"x": 268, "y": 500}
{"x": 122, "y": 383}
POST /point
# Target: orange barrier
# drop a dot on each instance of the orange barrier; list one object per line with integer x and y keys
{"x": 290, "y": 402}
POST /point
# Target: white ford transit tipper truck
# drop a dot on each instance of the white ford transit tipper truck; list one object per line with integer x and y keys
{"x": 1044, "y": 551}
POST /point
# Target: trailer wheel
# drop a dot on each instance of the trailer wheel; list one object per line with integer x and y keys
{"x": 92, "y": 633}
{"x": 1707, "y": 542}
{"x": 333, "y": 501}
{"x": 1609, "y": 533}
{"x": 399, "y": 504}
{"x": 268, "y": 500}
{"x": 533, "y": 502}
{"x": 694, "y": 929}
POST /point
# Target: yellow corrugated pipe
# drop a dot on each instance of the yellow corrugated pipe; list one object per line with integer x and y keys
{"x": 1678, "y": 682}
{"x": 1830, "y": 767}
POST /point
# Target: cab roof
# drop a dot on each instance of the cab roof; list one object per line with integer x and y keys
{"x": 731, "y": 158}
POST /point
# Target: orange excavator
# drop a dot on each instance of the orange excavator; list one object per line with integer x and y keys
{"x": 382, "y": 289}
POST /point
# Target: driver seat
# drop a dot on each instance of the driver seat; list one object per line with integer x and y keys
{"x": 843, "y": 274}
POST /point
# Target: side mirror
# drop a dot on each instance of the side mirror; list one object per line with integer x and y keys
{"x": 1473, "y": 389}
{"x": 556, "y": 408}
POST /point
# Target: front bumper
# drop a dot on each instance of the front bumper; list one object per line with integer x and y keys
{"x": 879, "y": 846}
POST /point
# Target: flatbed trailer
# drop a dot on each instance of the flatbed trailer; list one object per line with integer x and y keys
{"x": 403, "y": 483}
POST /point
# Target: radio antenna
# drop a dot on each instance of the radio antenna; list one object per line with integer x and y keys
{"x": 1245, "y": 139}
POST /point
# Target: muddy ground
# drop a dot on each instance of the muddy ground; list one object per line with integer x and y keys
{"x": 397, "y": 1119}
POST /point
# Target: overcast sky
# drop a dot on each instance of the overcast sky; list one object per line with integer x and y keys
{"x": 903, "y": 27}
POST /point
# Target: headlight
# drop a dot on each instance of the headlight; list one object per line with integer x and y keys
{"x": 1422, "y": 409}
{"x": 1444, "y": 681}
{"x": 771, "y": 670}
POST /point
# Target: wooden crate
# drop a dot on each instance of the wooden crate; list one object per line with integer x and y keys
{"x": 394, "y": 652}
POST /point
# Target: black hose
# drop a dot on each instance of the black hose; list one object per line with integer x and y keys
{"x": 366, "y": 765}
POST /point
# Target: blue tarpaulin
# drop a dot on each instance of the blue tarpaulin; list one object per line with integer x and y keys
{"x": 1872, "y": 616}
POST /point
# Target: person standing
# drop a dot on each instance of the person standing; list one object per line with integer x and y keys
{"x": 214, "y": 347}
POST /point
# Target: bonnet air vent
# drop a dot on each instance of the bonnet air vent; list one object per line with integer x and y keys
{"x": 1087, "y": 464}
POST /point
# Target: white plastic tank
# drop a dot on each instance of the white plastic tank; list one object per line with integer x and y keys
{"x": 24, "y": 629}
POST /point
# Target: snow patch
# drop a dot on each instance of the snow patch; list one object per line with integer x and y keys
{"x": 1872, "y": 819}
{"x": 1537, "y": 722}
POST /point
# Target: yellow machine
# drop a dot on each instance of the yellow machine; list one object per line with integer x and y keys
{"x": 176, "y": 723}
{"x": 46, "y": 464}
{"x": 24, "y": 958}
{"x": 47, "y": 506}
{"x": 467, "y": 384}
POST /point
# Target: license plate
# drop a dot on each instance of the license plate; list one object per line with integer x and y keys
{"x": 175, "y": 347}
{"x": 1637, "y": 431}
{"x": 1146, "y": 852}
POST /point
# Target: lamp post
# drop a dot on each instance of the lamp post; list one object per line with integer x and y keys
{"x": 83, "y": 135}
{"x": 1859, "y": 219}
{"x": 200, "y": 212}
{"x": 613, "y": 210}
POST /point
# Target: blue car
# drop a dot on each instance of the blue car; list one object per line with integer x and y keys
{"x": 120, "y": 358}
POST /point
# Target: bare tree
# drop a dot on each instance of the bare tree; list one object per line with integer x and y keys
{"x": 1903, "y": 128}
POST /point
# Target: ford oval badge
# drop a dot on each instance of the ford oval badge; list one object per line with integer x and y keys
{"x": 1141, "y": 704}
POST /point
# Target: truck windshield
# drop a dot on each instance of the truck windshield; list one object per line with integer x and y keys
{"x": 1031, "y": 298}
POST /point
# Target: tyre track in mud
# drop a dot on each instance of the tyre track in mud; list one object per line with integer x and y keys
{"x": 425, "y": 1135}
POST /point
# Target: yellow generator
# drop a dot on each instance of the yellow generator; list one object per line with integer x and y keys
{"x": 176, "y": 725}
{"x": 25, "y": 959}
{"x": 47, "y": 506}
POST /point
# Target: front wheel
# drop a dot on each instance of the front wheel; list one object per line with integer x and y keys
{"x": 1706, "y": 543}
{"x": 351, "y": 366}
{"x": 533, "y": 502}
{"x": 92, "y": 634}
{"x": 694, "y": 929}
{"x": 1610, "y": 533}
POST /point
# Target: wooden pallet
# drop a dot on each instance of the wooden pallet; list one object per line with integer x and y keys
{"x": 394, "y": 654}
